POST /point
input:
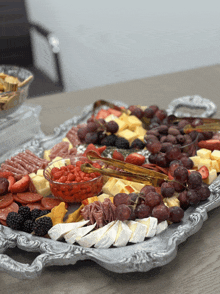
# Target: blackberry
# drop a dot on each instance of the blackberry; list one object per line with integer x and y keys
{"x": 25, "y": 212}
{"x": 14, "y": 220}
{"x": 44, "y": 212}
{"x": 28, "y": 226}
{"x": 42, "y": 226}
{"x": 109, "y": 140}
{"x": 137, "y": 144}
{"x": 35, "y": 213}
{"x": 122, "y": 143}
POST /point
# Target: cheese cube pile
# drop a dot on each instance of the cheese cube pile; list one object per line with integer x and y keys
{"x": 41, "y": 184}
{"x": 211, "y": 159}
{"x": 129, "y": 127}
{"x": 114, "y": 186}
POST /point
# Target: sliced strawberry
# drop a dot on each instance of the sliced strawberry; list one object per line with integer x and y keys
{"x": 21, "y": 185}
{"x": 204, "y": 172}
{"x": 11, "y": 180}
{"x": 135, "y": 158}
{"x": 117, "y": 155}
{"x": 5, "y": 174}
{"x": 91, "y": 147}
{"x": 101, "y": 149}
{"x": 210, "y": 144}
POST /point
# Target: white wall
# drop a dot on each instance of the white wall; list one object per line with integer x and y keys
{"x": 105, "y": 42}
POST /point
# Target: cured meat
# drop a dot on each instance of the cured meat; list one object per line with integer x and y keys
{"x": 27, "y": 163}
{"x": 16, "y": 199}
{"x": 29, "y": 197}
{"x": 39, "y": 161}
{"x": 49, "y": 203}
{"x": 3, "y": 222}
{"x": 60, "y": 149}
{"x": 6, "y": 200}
{"x": 5, "y": 211}
{"x": 73, "y": 137}
{"x": 12, "y": 169}
{"x": 36, "y": 205}
{"x": 15, "y": 164}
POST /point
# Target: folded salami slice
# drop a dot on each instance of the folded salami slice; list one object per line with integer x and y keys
{"x": 36, "y": 205}
{"x": 6, "y": 200}
{"x": 16, "y": 199}
{"x": 29, "y": 197}
{"x": 5, "y": 211}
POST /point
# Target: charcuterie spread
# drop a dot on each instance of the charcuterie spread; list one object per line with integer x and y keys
{"x": 123, "y": 199}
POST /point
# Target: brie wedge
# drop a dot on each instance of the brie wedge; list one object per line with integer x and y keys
{"x": 71, "y": 236}
{"x": 93, "y": 237}
{"x": 151, "y": 223}
{"x": 59, "y": 230}
{"x": 138, "y": 231}
{"x": 108, "y": 238}
{"x": 123, "y": 235}
{"x": 161, "y": 227}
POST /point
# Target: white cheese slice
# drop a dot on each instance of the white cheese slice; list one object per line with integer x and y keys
{"x": 71, "y": 236}
{"x": 123, "y": 235}
{"x": 108, "y": 238}
{"x": 161, "y": 227}
{"x": 151, "y": 223}
{"x": 93, "y": 237}
{"x": 138, "y": 231}
{"x": 59, "y": 230}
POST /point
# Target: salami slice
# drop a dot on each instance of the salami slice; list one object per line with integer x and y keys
{"x": 3, "y": 222}
{"x": 29, "y": 197}
{"x": 36, "y": 205}
{"x": 16, "y": 199}
{"x": 5, "y": 211}
{"x": 49, "y": 203}
{"x": 6, "y": 200}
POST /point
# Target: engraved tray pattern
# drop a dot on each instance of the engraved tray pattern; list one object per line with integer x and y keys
{"x": 151, "y": 253}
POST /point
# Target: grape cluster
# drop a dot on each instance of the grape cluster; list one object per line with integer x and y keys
{"x": 147, "y": 203}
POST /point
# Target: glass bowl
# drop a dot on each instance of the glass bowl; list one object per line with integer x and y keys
{"x": 11, "y": 101}
{"x": 73, "y": 192}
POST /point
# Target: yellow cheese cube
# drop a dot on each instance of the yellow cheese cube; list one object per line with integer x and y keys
{"x": 121, "y": 124}
{"x": 172, "y": 201}
{"x": 196, "y": 160}
{"x": 45, "y": 191}
{"x": 67, "y": 140}
{"x": 32, "y": 175}
{"x": 110, "y": 118}
{"x": 67, "y": 161}
{"x": 102, "y": 197}
{"x": 124, "y": 117}
{"x": 127, "y": 134}
{"x": 118, "y": 188}
{"x": 212, "y": 176}
{"x": 46, "y": 155}
{"x": 141, "y": 138}
{"x": 39, "y": 182}
{"x": 215, "y": 155}
{"x": 134, "y": 121}
{"x": 215, "y": 165}
{"x": 204, "y": 153}
{"x": 137, "y": 186}
{"x": 108, "y": 185}
{"x": 40, "y": 172}
{"x": 143, "y": 107}
{"x": 140, "y": 131}
{"x": 206, "y": 162}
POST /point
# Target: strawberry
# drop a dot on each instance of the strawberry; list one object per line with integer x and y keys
{"x": 21, "y": 185}
{"x": 210, "y": 144}
{"x": 117, "y": 155}
{"x": 11, "y": 180}
{"x": 5, "y": 174}
{"x": 91, "y": 147}
{"x": 135, "y": 158}
{"x": 101, "y": 149}
{"x": 204, "y": 172}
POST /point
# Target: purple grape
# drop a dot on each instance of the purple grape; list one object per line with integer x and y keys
{"x": 4, "y": 183}
{"x": 142, "y": 211}
{"x": 176, "y": 214}
{"x": 122, "y": 212}
{"x": 121, "y": 198}
{"x": 161, "y": 212}
{"x": 167, "y": 189}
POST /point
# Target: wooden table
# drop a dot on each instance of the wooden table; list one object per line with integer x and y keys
{"x": 196, "y": 268}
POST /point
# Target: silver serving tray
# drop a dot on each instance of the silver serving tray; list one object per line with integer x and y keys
{"x": 142, "y": 257}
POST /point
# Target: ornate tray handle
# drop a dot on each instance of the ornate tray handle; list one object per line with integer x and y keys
{"x": 193, "y": 102}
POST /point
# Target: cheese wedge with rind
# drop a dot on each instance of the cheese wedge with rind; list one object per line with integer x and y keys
{"x": 151, "y": 223}
{"x": 59, "y": 230}
{"x": 93, "y": 237}
{"x": 161, "y": 227}
{"x": 123, "y": 235}
{"x": 72, "y": 235}
{"x": 108, "y": 238}
{"x": 138, "y": 231}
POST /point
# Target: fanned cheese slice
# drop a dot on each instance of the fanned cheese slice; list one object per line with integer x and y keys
{"x": 151, "y": 223}
{"x": 123, "y": 235}
{"x": 59, "y": 230}
{"x": 71, "y": 236}
{"x": 138, "y": 231}
{"x": 93, "y": 237}
{"x": 108, "y": 238}
{"x": 161, "y": 227}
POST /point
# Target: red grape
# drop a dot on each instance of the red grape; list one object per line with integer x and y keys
{"x": 121, "y": 198}
{"x": 92, "y": 127}
{"x": 161, "y": 160}
{"x": 147, "y": 189}
{"x": 139, "y": 113}
{"x": 193, "y": 197}
{"x": 91, "y": 138}
{"x": 153, "y": 146}
{"x": 173, "y": 165}
{"x": 134, "y": 198}
{"x": 82, "y": 133}
{"x": 173, "y": 131}
{"x": 163, "y": 129}
{"x": 112, "y": 127}
{"x": 173, "y": 153}
{"x": 167, "y": 189}
{"x": 183, "y": 123}
{"x": 149, "y": 113}
{"x": 161, "y": 114}
{"x": 153, "y": 199}
{"x": 3, "y": 186}
{"x": 154, "y": 107}
{"x": 161, "y": 212}
{"x": 187, "y": 162}
{"x": 194, "y": 180}
{"x": 181, "y": 174}
{"x": 203, "y": 192}
{"x": 176, "y": 214}
{"x": 122, "y": 212}
{"x": 184, "y": 200}
{"x": 142, "y": 211}
{"x": 179, "y": 187}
